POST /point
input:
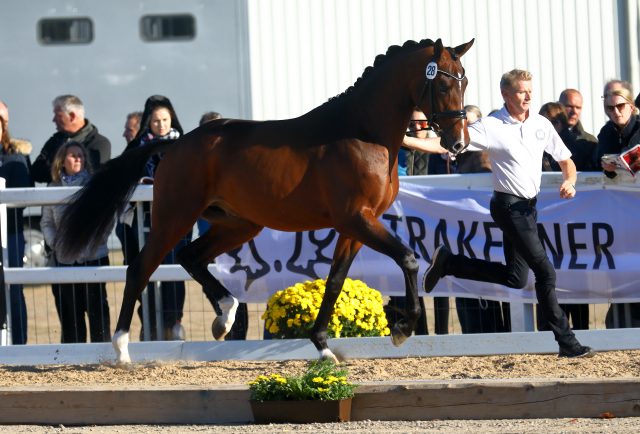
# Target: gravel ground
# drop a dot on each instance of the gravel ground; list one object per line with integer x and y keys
{"x": 628, "y": 425}
{"x": 604, "y": 365}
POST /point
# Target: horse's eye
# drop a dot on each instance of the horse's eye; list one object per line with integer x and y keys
{"x": 444, "y": 89}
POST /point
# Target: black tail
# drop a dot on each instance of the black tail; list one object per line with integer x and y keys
{"x": 90, "y": 212}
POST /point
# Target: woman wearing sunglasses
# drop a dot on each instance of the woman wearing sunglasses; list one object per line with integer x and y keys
{"x": 622, "y": 132}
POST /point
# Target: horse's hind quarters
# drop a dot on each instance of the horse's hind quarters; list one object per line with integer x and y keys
{"x": 397, "y": 337}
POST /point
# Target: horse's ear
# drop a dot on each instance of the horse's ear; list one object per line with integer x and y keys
{"x": 438, "y": 49}
{"x": 461, "y": 49}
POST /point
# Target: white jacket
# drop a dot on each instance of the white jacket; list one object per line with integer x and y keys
{"x": 49, "y": 223}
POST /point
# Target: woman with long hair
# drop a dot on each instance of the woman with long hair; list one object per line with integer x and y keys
{"x": 72, "y": 167}
{"x": 622, "y": 132}
{"x": 14, "y": 168}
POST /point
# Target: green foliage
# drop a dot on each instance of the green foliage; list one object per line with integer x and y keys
{"x": 322, "y": 381}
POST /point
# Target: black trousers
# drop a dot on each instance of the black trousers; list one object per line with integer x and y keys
{"x": 76, "y": 299}
{"x": 517, "y": 218}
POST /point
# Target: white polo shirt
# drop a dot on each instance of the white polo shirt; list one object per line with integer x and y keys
{"x": 515, "y": 149}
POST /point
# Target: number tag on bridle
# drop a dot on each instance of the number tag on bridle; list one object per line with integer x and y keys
{"x": 432, "y": 70}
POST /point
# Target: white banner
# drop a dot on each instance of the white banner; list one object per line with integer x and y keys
{"x": 592, "y": 240}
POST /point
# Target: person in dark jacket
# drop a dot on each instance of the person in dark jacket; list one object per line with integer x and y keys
{"x": 14, "y": 169}
{"x": 620, "y": 134}
{"x": 71, "y": 124}
{"x": 580, "y": 156}
{"x": 572, "y": 100}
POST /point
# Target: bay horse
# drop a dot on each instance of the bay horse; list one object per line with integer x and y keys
{"x": 333, "y": 167}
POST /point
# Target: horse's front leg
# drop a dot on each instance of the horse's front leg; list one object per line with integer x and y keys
{"x": 370, "y": 232}
{"x": 346, "y": 251}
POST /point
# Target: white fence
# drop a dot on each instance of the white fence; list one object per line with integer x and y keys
{"x": 521, "y": 314}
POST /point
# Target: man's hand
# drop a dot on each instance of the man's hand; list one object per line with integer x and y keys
{"x": 609, "y": 167}
{"x": 567, "y": 190}
{"x": 568, "y": 187}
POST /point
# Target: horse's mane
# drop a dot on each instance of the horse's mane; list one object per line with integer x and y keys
{"x": 391, "y": 51}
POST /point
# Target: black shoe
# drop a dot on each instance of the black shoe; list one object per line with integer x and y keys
{"x": 435, "y": 271}
{"x": 576, "y": 351}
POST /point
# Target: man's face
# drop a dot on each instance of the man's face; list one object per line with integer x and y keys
{"x": 131, "y": 128}
{"x": 420, "y": 122}
{"x": 63, "y": 121}
{"x": 518, "y": 97}
{"x": 572, "y": 103}
{"x": 4, "y": 112}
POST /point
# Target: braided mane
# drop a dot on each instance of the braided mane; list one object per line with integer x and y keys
{"x": 382, "y": 58}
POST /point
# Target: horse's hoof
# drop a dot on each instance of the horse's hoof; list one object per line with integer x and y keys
{"x": 125, "y": 366}
{"x": 218, "y": 329}
{"x": 397, "y": 337}
{"x": 328, "y": 355}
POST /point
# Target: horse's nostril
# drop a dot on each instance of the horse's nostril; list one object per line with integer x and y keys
{"x": 458, "y": 147}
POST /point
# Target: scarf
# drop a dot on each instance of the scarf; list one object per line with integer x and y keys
{"x": 68, "y": 179}
{"x": 147, "y": 138}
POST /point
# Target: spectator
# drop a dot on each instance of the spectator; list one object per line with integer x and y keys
{"x": 159, "y": 122}
{"x": 475, "y": 315}
{"x": 579, "y": 155}
{"x": 209, "y": 116}
{"x": 621, "y": 133}
{"x": 125, "y": 234}
{"x": 203, "y": 225}
{"x": 418, "y": 163}
{"x": 14, "y": 169}
{"x": 571, "y": 100}
{"x": 71, "y": 125}
{"x": 132, "y": 126}
{"x": 614, "y": 84}
{"x": 240, "y": 326}
{"x": 72, "y": 167}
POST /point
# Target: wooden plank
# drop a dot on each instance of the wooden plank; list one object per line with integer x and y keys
{"x": 109, "y": 406}
{"x": 425, "y": 400}
{"x": 498, "y": 399}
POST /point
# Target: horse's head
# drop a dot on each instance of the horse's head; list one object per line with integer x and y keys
{"x": 441, "y": 96}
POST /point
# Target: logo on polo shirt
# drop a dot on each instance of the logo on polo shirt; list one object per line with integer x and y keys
{"x": 540, "y": 134}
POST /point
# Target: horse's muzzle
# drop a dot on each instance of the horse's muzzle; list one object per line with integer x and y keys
{"x": 458, "y": 147}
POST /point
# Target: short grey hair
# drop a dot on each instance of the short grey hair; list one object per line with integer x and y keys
{"x": 510, "y": 78}
{"x": 608, "y": 84}
{"x": 209, "y": 116}
{"x": 473, "y": 109}
{"x": 135, "y": 115}
{"x": 68, "y": 104}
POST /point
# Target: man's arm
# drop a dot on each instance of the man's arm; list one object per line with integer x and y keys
{"x": 430, "y": 145}
{"x": 569, "y": 174}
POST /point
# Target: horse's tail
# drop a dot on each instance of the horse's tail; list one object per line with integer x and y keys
{"x": 90, "y": 212}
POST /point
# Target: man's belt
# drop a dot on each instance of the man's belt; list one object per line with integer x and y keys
{"x": 512, "y": 198}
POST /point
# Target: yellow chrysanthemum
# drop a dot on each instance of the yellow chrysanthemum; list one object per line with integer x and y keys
{"x": 318, "y": 380}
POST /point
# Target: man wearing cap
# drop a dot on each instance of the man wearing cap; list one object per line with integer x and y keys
{"x": 515, "y": 140}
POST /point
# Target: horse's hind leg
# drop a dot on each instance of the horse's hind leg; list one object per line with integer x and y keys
{"x": 346, "y": 251}
{"x": 162, "y": 239}
{"x": 370, "y": 232}
{"x": 224, "y": 234}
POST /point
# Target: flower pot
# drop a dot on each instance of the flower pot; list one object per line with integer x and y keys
{"x": 301, "y": 411}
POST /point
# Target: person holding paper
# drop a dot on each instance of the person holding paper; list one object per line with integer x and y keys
{"x": 515, "y": 139}
{"x": 622, "y": 132}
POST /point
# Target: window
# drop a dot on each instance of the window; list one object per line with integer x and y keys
{"x": 65, "y": 31}
{"x": 167, "y": 27}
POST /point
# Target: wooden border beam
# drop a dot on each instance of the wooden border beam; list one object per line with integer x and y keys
{"x": 424, "y": 400}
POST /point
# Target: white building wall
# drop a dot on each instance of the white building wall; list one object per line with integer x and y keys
{"x": 306, "y": 51}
